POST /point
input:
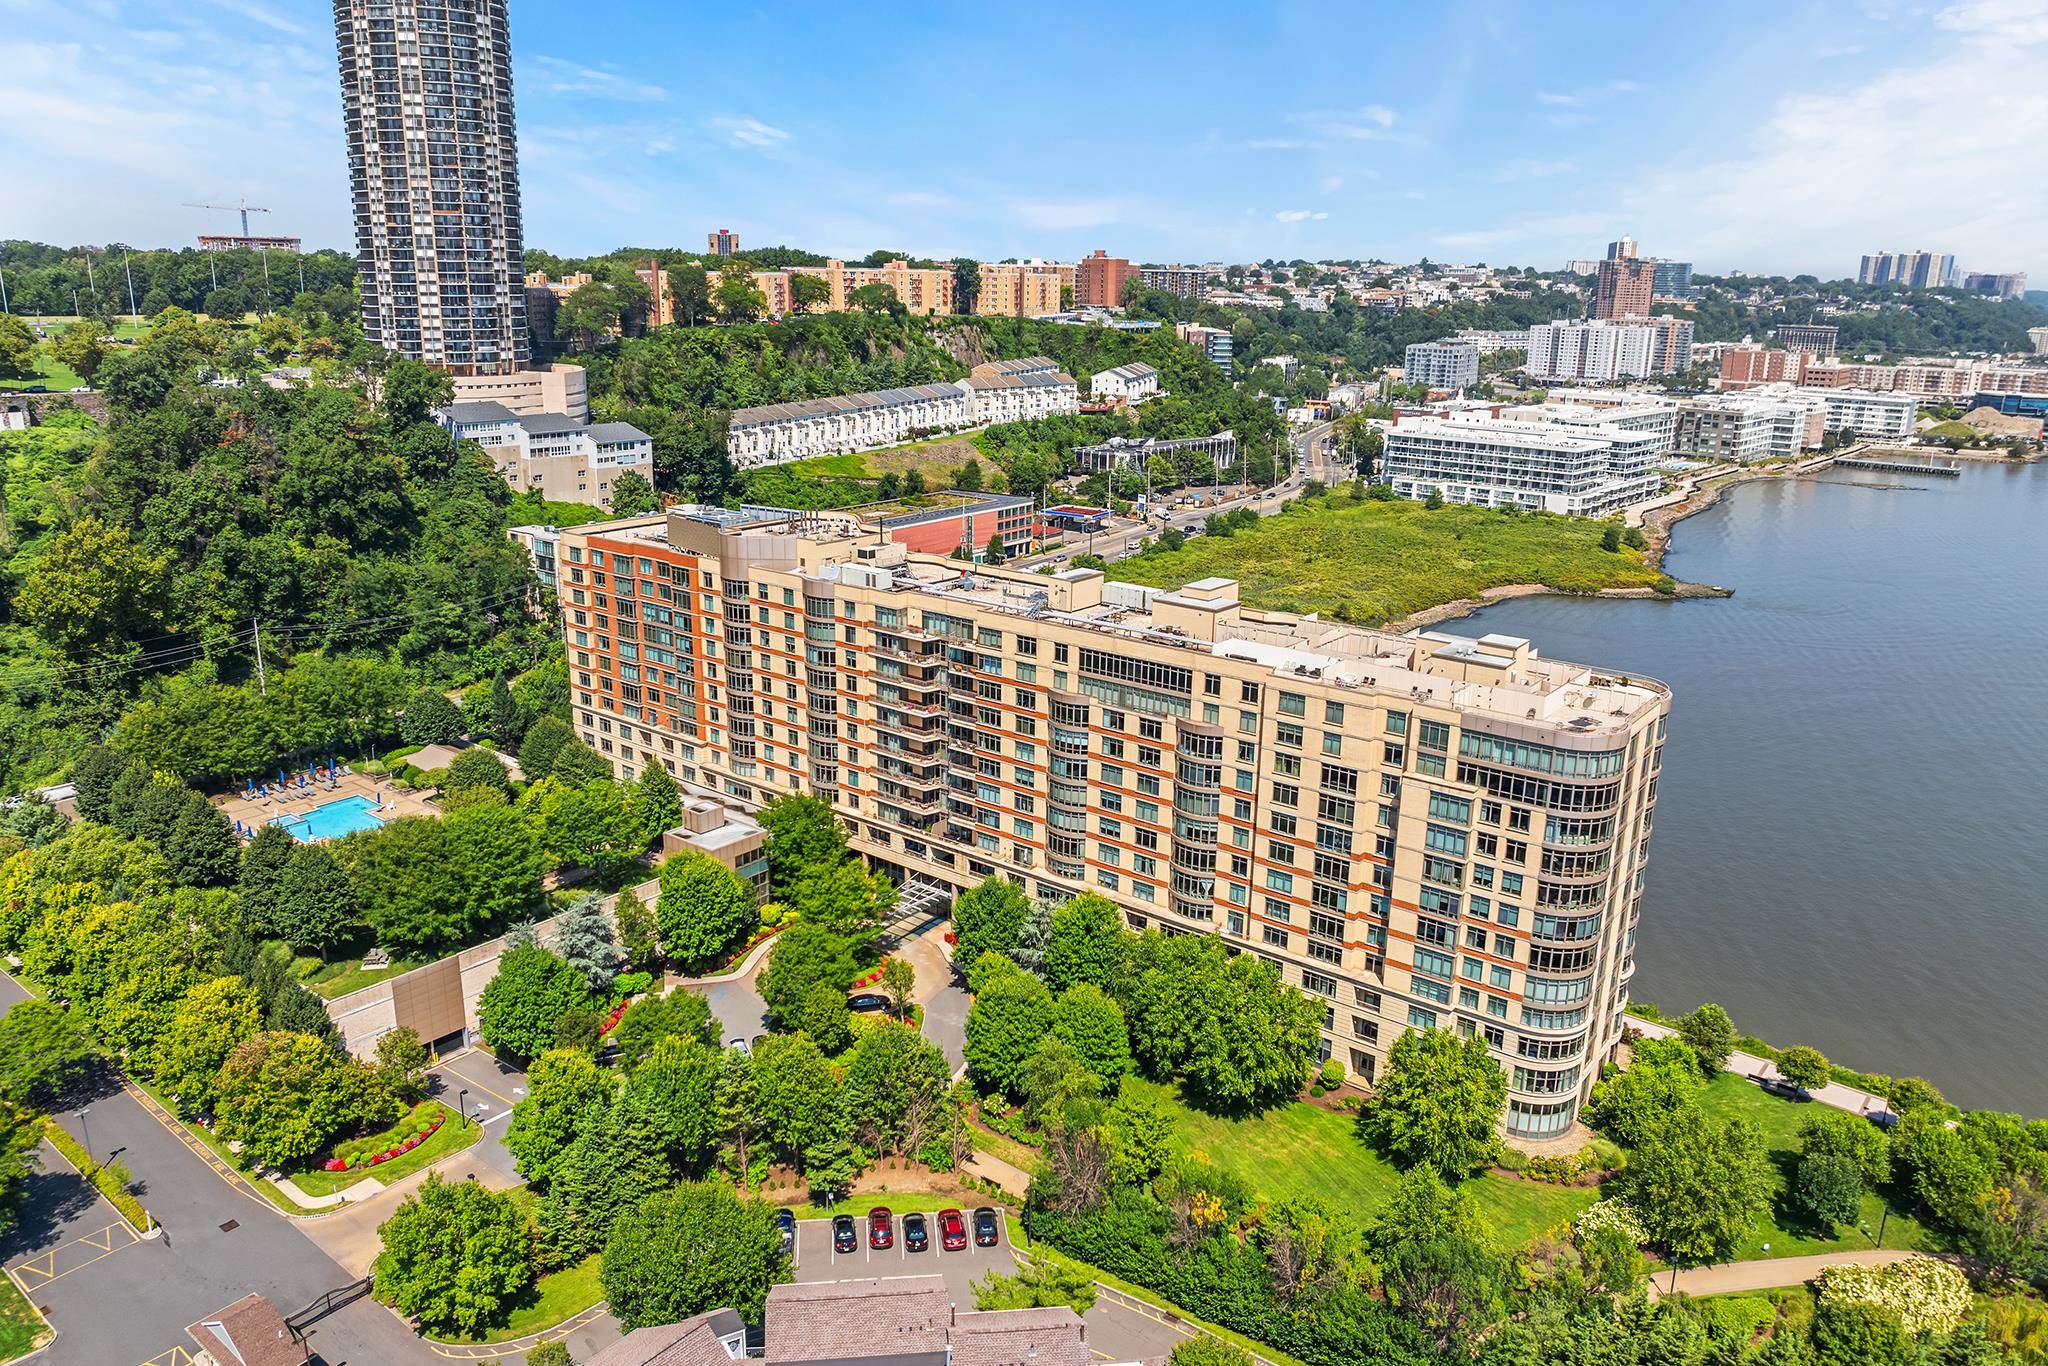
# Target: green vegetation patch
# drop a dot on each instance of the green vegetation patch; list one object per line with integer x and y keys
{"x": 452, "y": 1137}
{"x": 555, "y": 1298}
{"x": 21, "y": 1332}
{"x": 1370, "y": 562}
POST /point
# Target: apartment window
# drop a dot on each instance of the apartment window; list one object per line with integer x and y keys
{"x": 1333, "y": 713}
{"x": 1273, "y": 935}
{"x": 1397, "y": 723}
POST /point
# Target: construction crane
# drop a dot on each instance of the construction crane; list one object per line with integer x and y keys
{"x": 245, "y": 208}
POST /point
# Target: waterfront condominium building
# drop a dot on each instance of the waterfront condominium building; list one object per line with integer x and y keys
{"x": 1914, "y": 269}
{"x": 1607, "y": 351}
{"x": 1418, "y": 831}
{"x": 1548, "y": 463}
{"x": 1441, "y": 364}
{"x": 1099, "y": 280}
{"x": 426, "y": 89}
{"x": 1624, "y": 287}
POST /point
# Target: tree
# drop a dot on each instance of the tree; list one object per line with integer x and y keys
{"x": 1042, "y": 1283}
{"x": 583, "y": 939}
{"x": 808, "y": 292}
{"x": 1699, "y": 1187}
{"x": 894, "y": 1083}
{"x": 845, "y": 899}
{"x": 797, "y": 1090}
{"x": 285, "y": 1097}
{"x": 1437, "y": 1262}
{"x": 1829, "y": 1188}
{"x": 431, "y": 719}
{"x": 1661, "y": 1080}
{"x": 618, "y": 1160}
{"x": 1204, "y": 1350}
{"x": 994, "y": 554}
{"x": 21, "y": 1133}
{"x": 1438, "y": 1103}
{"x": 678, "y": 1015}
{"x": 1087, "y": 944}
{"x": 826, "y": 1018}
{"x": 43, "y": 1049}
{"x": 633, "y": 496}
{"x": 314, "y": 908}
{"x": 551, "y": 1353}
{"x": 477, "y": 768}
{"x": 739, "y": 1109}
{"x": 541, "y": 745}
{"x": 805, "y": 956}
{"x": 1256, "y": 1037}
{"x": 804, "y": 837}
{"x": 737, "y": 299}
{"x": 564, "y": 1089}
{"x": 214, "y": 1019}
{"x": 590, "y": 826}
{"x": 79, "y": 346}
{"x": 455, "y": 1255}
{"x": 657, "y": 802}
{"x": 988, "y": 918}
{"x": 966, "y": 284}
{"x": 1836, "y": 1133}
{"x": 877, "y": 298}
{"x": 639, "y": 936}
{"x": 689, "y": 1250}
{"x": 1090, "y": 1022}
{"x": 1914, "y": 1093}
{"x": 1806, "y": 1068}
{"x": 589, "y": 311}
{"x": 1710, "y": 1034}
{"x": 17, "y": 349}
{"x": 508, "y": 722}
{"x": 899, "y": 979}
{"x": 522, "y": 1004}
{"x": 703, "y": 909}
{"x": 1610, "y": 538}
{"x": 689, "y": 288}
{"x": 402, "y": 1063}
{"x": 93, "y": 594}
{"x": 1009, "y": 1016}
{"x": 676, "y": 1086}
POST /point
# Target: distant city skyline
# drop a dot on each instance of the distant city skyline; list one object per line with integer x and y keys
{"x": 1510, "y": 133}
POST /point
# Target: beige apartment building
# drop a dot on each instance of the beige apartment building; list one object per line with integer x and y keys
{"x": 1418, "y": 830}
{"x": 1023, "y": 289}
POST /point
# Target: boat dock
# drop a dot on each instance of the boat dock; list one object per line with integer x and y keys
{"x": 1950, "y": 470}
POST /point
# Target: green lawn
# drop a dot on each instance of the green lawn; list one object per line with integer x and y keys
{"x": 557, "y": 1296}
{"x": 1371, "y": 562}
{"x": 21, "y": 1332}
{"x": 935, "y": 458}
{"x": 1299, "y": 1150}
{"x": 339, "y": 978}
{"x": 452, "y": 1137}
{"x": 1786, "y": 1233}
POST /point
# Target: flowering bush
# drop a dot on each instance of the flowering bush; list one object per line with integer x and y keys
{"x": 396, "y": 1141}
{"x": 1924, "y": 1293}
{"x": 1611, "y": 1215}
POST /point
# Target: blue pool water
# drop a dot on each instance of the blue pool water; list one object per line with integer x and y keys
{"x": 332, "y": 820}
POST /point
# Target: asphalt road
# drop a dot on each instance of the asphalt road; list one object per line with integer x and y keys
{"x": 816, "y": 1261}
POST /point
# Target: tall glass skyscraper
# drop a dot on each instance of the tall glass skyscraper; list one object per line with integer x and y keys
{"x": 434, "y": 166}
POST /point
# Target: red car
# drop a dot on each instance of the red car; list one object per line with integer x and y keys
{"x": 881, "y": 1233}
{"x": 952, "y": 1231}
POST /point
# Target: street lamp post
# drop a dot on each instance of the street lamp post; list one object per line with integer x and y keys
{"x": 87, "y": 1130}
{"x": 462, "y": 1103}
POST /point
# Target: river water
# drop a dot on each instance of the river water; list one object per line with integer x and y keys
{"x": 1851, "y": 847}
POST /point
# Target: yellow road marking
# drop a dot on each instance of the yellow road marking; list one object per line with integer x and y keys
{"x": 39, "y": 1270}
{"x": 498, "y": 1351}
{"x": 177, "y": 1356}
{"x": 474, "y": 1083}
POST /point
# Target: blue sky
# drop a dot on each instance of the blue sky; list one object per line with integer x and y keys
{"x": 1779, "y": 136}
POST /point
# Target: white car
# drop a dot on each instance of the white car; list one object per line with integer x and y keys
{"x": 738, "y": 1044}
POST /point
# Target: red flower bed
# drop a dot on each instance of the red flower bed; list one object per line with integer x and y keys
{"x": 869, "y": 979}
{"x": 611, "y": 1021}
{"x": 340, "y": 1164}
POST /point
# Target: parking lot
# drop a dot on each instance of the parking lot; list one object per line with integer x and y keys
{"x": 816, "y": 1261}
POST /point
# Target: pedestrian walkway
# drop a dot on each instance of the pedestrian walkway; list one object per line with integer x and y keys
{"x": 1763, "y": 1069}
{"x": 1006, "y": 1175}
{"x": 1770, "y": 1273}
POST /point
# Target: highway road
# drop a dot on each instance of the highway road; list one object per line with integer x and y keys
{"x": 1308, "y": 462}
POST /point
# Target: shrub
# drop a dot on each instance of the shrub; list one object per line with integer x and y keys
{"x": 1926, "y": 1294}
{"x": 1612, "y": 1215}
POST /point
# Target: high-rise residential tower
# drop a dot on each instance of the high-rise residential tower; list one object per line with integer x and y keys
{"x": 426, "y": 90}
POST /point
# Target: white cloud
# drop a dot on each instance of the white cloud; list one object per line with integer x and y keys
{"x": 1332, "y": 183}
{"x": 746, "y": 131}
{"x": 1371, "y": 123}
{"x": 1559, "y": 99}
{"x": 558, "y": 76}
{"x": 1058, "y": 215}
{"x": 1282, "y": 145}
{"x": 258, "y": 12}
{"x": 1530, "y": 168}
{"x": 1830, "y": 174}
{"x": 1300, "y": 216}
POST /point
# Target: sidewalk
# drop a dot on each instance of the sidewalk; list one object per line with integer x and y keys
{"x": 1770, "y": 1273}
{"x": 1759, "y": 1069}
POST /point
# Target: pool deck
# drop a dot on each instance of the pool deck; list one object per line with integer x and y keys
{"x": 256, "y": 812}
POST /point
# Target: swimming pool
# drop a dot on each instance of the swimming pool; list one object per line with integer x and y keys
{"x": 332, "y": 820}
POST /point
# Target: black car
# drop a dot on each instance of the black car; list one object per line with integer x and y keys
{"x": 1778, "y": 1086}
{"x": 867, "y": 1001}
{"x": 785, "y": 1227}
{"x": 916, "y": 1237}
{"x": 985, "y": 1227}
{"x": 845, "y": 1238}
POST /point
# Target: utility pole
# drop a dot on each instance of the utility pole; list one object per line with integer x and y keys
{"x": 3, "y": 292}
{"x": 261, "y": 686}
{"x": 134, "y": 315}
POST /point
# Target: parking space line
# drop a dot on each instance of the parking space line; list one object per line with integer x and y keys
{"x": 41, "y": 1269}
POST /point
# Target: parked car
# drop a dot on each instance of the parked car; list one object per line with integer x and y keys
{"x": 737, "y": 1044}
{"x": 881, "y": 1229}
{"x": 844, "y": 1239}
{"x": 985, "y": 1227}
{"x": 952, "y": 1231}
{"x": 1778, "y": 1086}
{"x": 916, "y": 1236}
{"x": 1884, "y": 1119}
{"x": 785, "y": 1227}
{"x": 867, "y": 1001}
